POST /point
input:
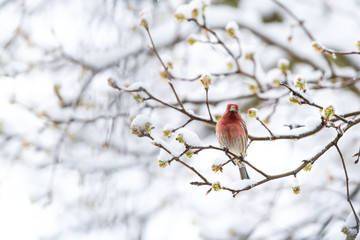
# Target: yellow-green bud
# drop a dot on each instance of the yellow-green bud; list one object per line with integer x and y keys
{"x": 253, "y": 88}
{"x": 206, "y": 81}
{"x": 191, "y": 40}
{"x": 318, "y": 47}
{"x": 249, "y": 56}
{"x": 283, "y": 65}
{"x": 296, "y": 189}
{"x": 189, "y": 153}
{"x": 308, "y": 167}
{"x": 252, "y": 113}
{"x": 216, "y": 186}
{"x": 180, "y": 138}
{"x": 162, "y": 163}
{"x": 167, "y": 133}
{"x": 138, "y": 98}
{"x": 180, "y": 17}
{"x": 329, "y": 112}
{"x": 216, "y": 168}
{"x": 300, "y": 83}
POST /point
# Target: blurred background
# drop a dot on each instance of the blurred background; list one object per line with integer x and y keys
{"x": 70, "y": 168}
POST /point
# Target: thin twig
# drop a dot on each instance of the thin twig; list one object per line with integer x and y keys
{"x": 347, "y": 188}
{"x": 262, "y": 123}
{"x": 168, "y": 74}
{"x": 187, "y": 122}
{"x": 305, "y": 29}
{"x": 225, "y": 47}
{"x": 309, "y": 102}
{"x": 207, "y": 103}
{"x": 358, "y": 156}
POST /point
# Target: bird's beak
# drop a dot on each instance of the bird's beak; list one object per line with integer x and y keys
{"x": 233, "y": 109}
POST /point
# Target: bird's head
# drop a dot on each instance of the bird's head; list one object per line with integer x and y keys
{"x": 232, "y": 110}
{"x": 232, "y": 107}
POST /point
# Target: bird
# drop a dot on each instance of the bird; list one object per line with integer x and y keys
{"x": 232, "y": 135}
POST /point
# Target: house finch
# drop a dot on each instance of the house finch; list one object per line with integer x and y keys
{"x": 232, "y": 135}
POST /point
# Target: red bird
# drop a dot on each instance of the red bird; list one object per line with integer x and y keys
{"x": 232, "y": 135}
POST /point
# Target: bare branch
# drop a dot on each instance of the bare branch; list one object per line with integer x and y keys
{"x": 347, "y": 188}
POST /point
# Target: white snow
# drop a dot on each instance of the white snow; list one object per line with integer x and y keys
{"x": 107, "y": 175}
{"x": 350, "y": 221}
{"x": 164, "y": 155}
{"x": 166, "y": 59}
{"x": 283, "y": 61}
{"x": 190, "y": 137}
{"x": 232, "y": 25}
{"x": 196, "y": 4}
{"x": 137, "y": 85}
{"x": 274, "y": 74}
{"x": 145, "y": 15}
{"x": 184, "y": 10}
{"x": 140, "y": 121}
{"x": 295, "y": 182}
{"x": 312, "y": 122}
{"x": 240, "y": 184}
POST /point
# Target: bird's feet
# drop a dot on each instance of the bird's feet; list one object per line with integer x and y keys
{"x": 227, "y": 154}
{"x": 226, "y": 150}
{"x": 241, "y": 158}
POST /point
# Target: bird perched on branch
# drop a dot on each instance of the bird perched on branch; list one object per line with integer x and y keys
{"x": 232, "y": 135}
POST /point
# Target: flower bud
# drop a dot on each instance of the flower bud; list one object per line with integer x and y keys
{"x": 296, "y": 189}
{"x": 216, "y": 186}
{"x": 144, "y": 23}
{"x": 252, "y": 113}
{"x": 231, "y": 29}
{"x": 253, "y": 88}
{"x": 162, "y": 163}
{"x": 318, "y": 47}
{"x": 308, "y": 167}
{"x": 195, "y": 7}
{"x": 167, "y": 61}
{"x": 57, "y": 89}
{"x": 138, "y": 98}
{"x": 189, "y": 153}
{"x": 191, "y": 40}
{"x": 249, "y": 56}
{"x": 276, "y": 83}
{"x": 148, "y": 127}
{"x": 300, "y": 83}
{"x": 296, "y": 186}
{"x": 216, "y": 168}
{"x": 195, "y": 13}
{"x": 167, "y": 133}
{"x": 283, "y": 65}
{"x": 144, "y": 18}
{"x": 217, "y": 117}
{"x": 329, "y": 112}
{"x": 26, "y": 144}
{"x": 163, "y": 74}
{"x": 180, "y": 17}
{"x": 180, "y": 138}
{"x": 294, "y": 99}
{"x": 206, "y": 81}
{"x": 183, "y": 12}
{"x": 141, "y": 126}
{"x": 136, "y": 131}
{"x": 42, "y": 114}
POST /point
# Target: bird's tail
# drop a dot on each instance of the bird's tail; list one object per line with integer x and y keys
{"x": 243, "y": 172}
